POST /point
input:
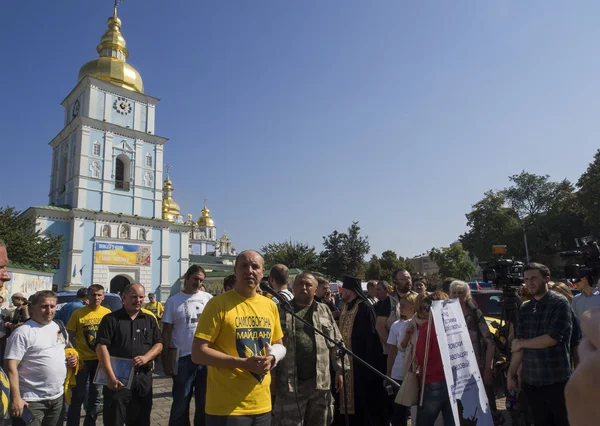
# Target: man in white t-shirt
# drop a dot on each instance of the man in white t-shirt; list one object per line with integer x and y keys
{"x": 35, "y": 363}
{"x": 179, "y": 325}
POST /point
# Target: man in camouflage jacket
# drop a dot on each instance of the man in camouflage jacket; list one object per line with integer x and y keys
{"x": 302, "y": 379}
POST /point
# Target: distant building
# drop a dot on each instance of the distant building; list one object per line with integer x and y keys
{"x": 423, "y": 264}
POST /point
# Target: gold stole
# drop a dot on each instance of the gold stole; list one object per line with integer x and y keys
{"x": 346, "y": 325}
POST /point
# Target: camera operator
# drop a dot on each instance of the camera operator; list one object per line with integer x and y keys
{"x": 542, "y": 345}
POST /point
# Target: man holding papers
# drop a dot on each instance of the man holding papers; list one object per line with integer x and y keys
{"x": 134, "y": 334}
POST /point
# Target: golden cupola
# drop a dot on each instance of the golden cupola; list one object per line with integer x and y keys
{"x": 111, "y": 66}
{"x": 205, "y": 219}
{"x": 170, "y": 209}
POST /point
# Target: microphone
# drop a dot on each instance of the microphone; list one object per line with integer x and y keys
{"x": 264, "y": 286}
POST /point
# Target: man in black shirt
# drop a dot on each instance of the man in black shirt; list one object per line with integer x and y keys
{"x": 133, "y": 334}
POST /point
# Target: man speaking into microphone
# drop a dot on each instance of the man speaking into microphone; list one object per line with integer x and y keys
{"x": 239, "y": 338}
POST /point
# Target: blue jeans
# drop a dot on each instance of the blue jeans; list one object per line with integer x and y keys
{"x": 435, "y": 400}
{"x": 189, "y": 380}
{"x": 88, "y": 370}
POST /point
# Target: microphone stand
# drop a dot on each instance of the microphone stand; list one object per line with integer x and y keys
{"x": 342, "y": 350}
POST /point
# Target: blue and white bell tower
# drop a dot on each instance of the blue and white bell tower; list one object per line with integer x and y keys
{"x": 106, "y": 188}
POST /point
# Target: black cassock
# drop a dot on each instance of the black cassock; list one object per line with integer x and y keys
{"x": 365, "y": 390}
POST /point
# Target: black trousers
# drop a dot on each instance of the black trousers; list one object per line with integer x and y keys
{"x": 129, "y": 407}
{"x": 547, "y": 404}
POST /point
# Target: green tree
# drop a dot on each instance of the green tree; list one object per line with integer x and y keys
{"x": 25, "y": 245}
{"x": 532, "y": 195}
{"x": 588, "y": 194}
{"x": 491, "y": 223}
{"x": 453, "y": 261}
{"x": 382, "y": 268}
{"x": 291, "y": 254}
{"x": 434, "y": 281}
{"x": 373, "y": 269}
{"x": 546, "y": 211}
{"x": 344, "y": 253}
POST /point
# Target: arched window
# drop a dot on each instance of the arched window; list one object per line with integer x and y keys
{"x": 149, "y": 160}
{"x": 106, "y": 231}
{"x": 122, "y": 164}
{"x": 142, "y": 234}
{"x": 96, "y": 150}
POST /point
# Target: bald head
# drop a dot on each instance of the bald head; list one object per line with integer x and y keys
{"x": 249, "y": 270}
{"x": 245, "y": 254}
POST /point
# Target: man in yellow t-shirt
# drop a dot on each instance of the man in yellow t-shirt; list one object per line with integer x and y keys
{"x": 155, "y": 307}
{"x": 82, "y": 328}
{"x": 239, "y": 338}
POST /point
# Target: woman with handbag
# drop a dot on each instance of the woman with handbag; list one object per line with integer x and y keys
{"x": 395, "y": 359}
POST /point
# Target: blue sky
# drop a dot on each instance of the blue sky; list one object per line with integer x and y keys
{"x": 295, "y": 118}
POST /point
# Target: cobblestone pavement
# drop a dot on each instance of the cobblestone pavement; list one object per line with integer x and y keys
{"x": 161, "y": 405}
{"x": 162, "y": 402}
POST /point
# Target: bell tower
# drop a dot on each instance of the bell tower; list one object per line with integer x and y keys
{"x": 107, "y": 157}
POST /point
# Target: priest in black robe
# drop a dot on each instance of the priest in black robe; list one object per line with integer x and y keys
{"x": 364, "y": 389}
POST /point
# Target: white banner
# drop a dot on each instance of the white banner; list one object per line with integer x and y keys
{"x": 465, "y": 385}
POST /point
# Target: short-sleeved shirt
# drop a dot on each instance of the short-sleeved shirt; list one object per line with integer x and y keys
{"x": 40, "y": 350}
{"x": 397, "y": 332}
{"x": 383, "y": 308}
{"x": 183, "y": 311}
{"x": 550, "y": 315}
{"x": 582, "y": 302}
{"x": 156, "y": 308}
{"x": 127, "y": 338}
{"x": 84, "y": 324}
{"x": 67, "y": 310}
{"x": 239, "y": 327}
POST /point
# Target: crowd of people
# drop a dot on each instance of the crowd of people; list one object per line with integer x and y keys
{"x": 249, "y": 359}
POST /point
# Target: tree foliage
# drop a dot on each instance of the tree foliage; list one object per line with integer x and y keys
{"x": 453, "y": 261}
{"x": 547, "y": 212}
{"x": 381, "y": 268}
{"x": 344, "y": 253}
{"x": 491, "y": 223}
{"x": 292, "y": 254}
{"x": 531, "y": 195}
{"x": 588, "y": 195}
{"x": 25, "y": 245}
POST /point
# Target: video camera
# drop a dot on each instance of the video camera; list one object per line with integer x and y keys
{"x": 505, "y": 274}
{"x": 588, "y": 253}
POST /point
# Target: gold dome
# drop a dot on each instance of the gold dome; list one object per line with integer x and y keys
{"x": 205, "y": 219}
{"x": 111, "y": 66}
{"x": 170, "y": 209}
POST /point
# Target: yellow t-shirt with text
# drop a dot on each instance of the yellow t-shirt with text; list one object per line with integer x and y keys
{"x": 240, "y": 327}
{"x": 84, "y": 324}
{"x": 156, "y": 308}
